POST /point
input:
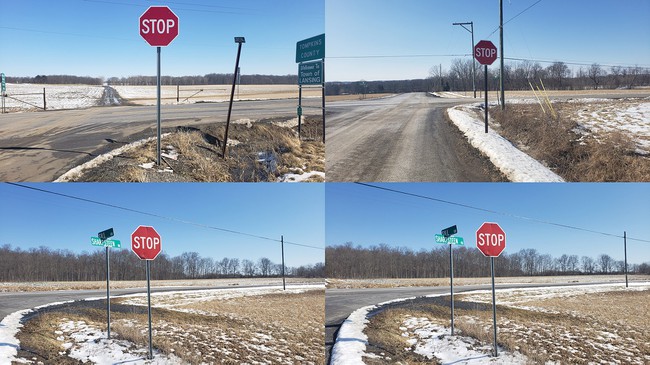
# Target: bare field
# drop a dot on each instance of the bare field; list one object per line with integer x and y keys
{"x": 270, "y": 327}
{"x": 394, "y": 283}
{"x": 115, "y": 284}
{"x": 146, "y": 95}
{"x": 579, "y": 325}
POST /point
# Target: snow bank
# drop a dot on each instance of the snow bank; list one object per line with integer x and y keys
{"x": 516, "y": 165}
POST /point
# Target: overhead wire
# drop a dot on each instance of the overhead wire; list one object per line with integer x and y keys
{"x": 516, "y": 216}
{"x": 173, "y": 219}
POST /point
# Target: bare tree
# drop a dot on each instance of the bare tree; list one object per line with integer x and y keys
{"x": 588, "y": 265}
{"x": 606, "y": 263}
{"x": 595, "y": 73}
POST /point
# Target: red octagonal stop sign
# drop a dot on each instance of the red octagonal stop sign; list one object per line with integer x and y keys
{"x": 158, "y": 26}
{"x": 146, "y": 242}
{"x": 485, "y": 52}
{"x": 490, "y": 239}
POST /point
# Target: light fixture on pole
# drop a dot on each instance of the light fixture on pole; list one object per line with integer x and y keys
{"x": 239, "y": 41}
{"x": 471, "y": 30}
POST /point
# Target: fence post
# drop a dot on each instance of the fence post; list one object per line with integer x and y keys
{"x": 44, "y": 102}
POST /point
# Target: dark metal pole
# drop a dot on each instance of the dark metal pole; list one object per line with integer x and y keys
{"x": 232, "y": 95}
{"x": 178, "y": 93}
{"x": 494, "y": 308}
{"x": 44, "y": 102}
{"x": 158, "y": 107}
{"x": 284, "y": 285}
{"x": 625, "y": 251}
{"x": 299, "y": 107}
{"x": 486, "y": 99}
{"x": 503, "y": 97}
{"x": 108, "y": 294}
{"x": 323, "y": 75}
{"x": 451, "y": 285}
{"x": 149, "y": 309}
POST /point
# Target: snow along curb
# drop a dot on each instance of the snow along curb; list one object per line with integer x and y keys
{"x": 78, "y": 171}
{"x": 516, "y": 165}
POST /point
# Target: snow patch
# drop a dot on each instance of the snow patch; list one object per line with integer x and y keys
{"x": 516, "y": 165}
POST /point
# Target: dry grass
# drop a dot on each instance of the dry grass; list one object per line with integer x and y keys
{"x": 602, "y": 327}
{"x": 271, "y": 329}
{"x": 608, "y": 156}
{"x": 257, "y": 151}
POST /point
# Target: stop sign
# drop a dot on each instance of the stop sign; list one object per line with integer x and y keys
{"x": 158, "y": 26}
{"x": 485, "y": 52}
{"x": 146, "y": 243}
{"x": 490, "y": 239}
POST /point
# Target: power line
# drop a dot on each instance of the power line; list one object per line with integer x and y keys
{"x": 178, "y": 220}
{"x": 508, "y": 21}
{"x": 498, "y": 212}
{"x": 398, "y": 56}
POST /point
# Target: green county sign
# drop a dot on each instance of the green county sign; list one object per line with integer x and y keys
{"x": 310, "y": 49}
{"x": 310, "y": 73}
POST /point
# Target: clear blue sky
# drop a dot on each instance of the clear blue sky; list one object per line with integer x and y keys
{"x": 101, "y": 38}
{"x": 602, "y": 31}
{"x": 367, "y": 216}
{"x": 31, "y": 219}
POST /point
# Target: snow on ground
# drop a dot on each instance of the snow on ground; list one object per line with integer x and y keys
{"x": 175, "y": 299}
{"x": 78, "y": 171}
{"x": 516, "y": 165}
{"x": 631, "y": 118}
{"x": 434, "y": 341}
{"x": 86, "y": 343}
{"x": 56, "y": 96}
{"x": 304, "y": 176}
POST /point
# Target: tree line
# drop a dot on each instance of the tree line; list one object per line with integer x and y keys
{"x": 517, "y": 76}
{"x": 45, "y": 264}
{"x": 347, "y": 261}
{"x": 209, "y": 79}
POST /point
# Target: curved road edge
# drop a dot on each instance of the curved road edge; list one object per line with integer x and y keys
{"x": 515, "y": 164}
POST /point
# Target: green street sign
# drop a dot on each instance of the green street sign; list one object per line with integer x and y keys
{"x": 299, "y": 111}
{"x": 310, "y": 73}
{"x": 310, "y": 49}
{"x": 96, "y": 241}
{"x": 449, "y": 240}
{"x": 4, "y": 86}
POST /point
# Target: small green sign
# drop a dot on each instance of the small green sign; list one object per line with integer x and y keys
{"x": 450, "y": 240}
{"x": 4, "y": 86}
{"x": 299, "y": 110}
{"x": 310, "y": 49}
{"x": 96, "y": 241}
{"x": 310, "y": 73}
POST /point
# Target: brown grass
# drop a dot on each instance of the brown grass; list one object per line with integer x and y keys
{"x": 555, "y": 141}
{"x": 266, "y": 328}
{"x": 580, "y": 329}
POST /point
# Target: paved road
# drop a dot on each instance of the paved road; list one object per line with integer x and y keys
{"x": 340, "y": 303}
{"x": 41, "y": 146}
{"x": 400, "y": 138}
{"x": 15, "y": 301}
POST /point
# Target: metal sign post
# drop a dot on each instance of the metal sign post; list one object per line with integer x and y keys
{"x": 102, "y": 240}
{"x": 149, "y": 309}
{"x": 3, "y": 89}
{"x": 494, "y": 308}
{"x": 239, "y": 41}
{"x": 625, "y": 252}
{"x": 158, "y": 107}
{"x": 486, "y": 99}
{"x": 108, "y": 294}
{"x": 445, "y": 237}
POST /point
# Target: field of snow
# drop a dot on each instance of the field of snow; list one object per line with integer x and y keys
{"x": 435, "y": 341}
{"x": 146, "y": 95}
{"x": 56, "y": 96}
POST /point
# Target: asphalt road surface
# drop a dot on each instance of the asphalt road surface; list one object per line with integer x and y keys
{"x": 340, "y": 303}
{"x": 11, "y": 302}
{"x": 399, "y": 138}
{"x": 41, "y": 146}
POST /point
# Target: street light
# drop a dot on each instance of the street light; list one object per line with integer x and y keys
{"x": 239, "y": 41}
{"x": 471, "y": 30}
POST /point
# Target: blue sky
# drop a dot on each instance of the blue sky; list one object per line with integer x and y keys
{"x": 603, "y": 31}
{"x": 31, "y": 218}
{"x": 101, "y": 38}
{"x": 367, "y": 216}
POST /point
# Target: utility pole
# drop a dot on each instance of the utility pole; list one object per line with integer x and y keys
{"x": 239, "y": 41}
{"x": 471, "y": 30}
{"x": 503, "y": 97}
